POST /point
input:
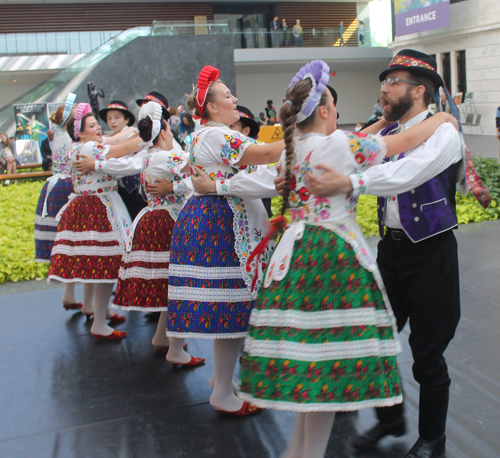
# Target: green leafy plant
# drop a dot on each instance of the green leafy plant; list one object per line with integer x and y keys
{"x": 17, "y": 242}
{"x": 18, "y": 206}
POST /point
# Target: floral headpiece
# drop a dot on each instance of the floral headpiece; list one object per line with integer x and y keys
{"x": 319, "y": 74}
{"x": 206, "y": 77}
{"x": 68, "y": 107}
{"x": 154, "y": 111}
{"x": 81, "y": 110}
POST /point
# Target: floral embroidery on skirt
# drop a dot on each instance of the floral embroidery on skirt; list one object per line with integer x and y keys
{"x": 208, "y": 297}
{"x": 143, "y": 283}
{"x": 86, "y": 247}
{"x": 321, "y": 339}
{"x": 46, "y": 228}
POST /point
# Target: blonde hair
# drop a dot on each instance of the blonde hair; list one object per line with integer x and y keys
{"x": 210, "y": 98}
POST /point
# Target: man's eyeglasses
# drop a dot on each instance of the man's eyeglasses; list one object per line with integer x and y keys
{"x": 393, "y": 79}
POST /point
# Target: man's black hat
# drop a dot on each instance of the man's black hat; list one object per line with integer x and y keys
{"x": 120, "y": 106}
{"x": 246, "y": 118}
{"x": 154, "y": 96}
{"x": 415, "y": 62}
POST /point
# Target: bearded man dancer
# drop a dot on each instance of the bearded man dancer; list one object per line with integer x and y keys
{"x": 417, "y": 255}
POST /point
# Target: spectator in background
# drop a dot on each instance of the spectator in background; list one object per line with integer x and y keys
{"x": 361, "y": 33}
{"x": 298, "y": 37}
{"x": 47, "y": 150}
{"x": 174, "y": 122}
{"x": 262, "y": 119}
{"x": 270, "y": 113}
{"x": 284, "y": 29}
{"x": 7, "y": 157}
{"x": 174, "y": 116}
{"x": 186, "y": 128}
{"x": 274, "y": 27}
{"x": 341, "y": 33}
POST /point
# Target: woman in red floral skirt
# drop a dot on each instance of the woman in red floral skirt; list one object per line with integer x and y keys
{"x": 143, "y": 283}
{"x": 93, "y": 228}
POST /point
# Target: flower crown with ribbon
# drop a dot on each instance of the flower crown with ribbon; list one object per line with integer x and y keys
{"x": 81, "y": 110}
{"x": 206, "y": 77}
{"x": 154, "y": 111}
{"x": 319, "y": 74}
{"x": 68, "y": 107}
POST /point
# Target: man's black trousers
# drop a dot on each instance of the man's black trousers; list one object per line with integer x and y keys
{"x": 422, "y": 282}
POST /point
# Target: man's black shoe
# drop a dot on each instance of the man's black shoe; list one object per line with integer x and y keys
{"x": 369, "y": 439}
{"x": 428, "y": 449}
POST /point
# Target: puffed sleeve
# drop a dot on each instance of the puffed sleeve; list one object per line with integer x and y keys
{"x": 366, "y": 150}
{"x": 96, "y": 150}
{"x": 168, "y": 165}
{"x": 223, "y": 146}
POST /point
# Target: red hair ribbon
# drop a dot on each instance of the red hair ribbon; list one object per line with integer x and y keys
{"x": 278, "y": 224}
{"x": 206, "y": 77}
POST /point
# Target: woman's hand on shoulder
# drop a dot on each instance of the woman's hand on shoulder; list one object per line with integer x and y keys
{"x": 451, "y": 119}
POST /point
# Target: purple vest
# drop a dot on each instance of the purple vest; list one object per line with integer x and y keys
{"x": 428, "y": 209}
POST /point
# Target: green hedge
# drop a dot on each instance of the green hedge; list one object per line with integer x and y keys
{"x": 17, "y": 242}
{"x": 18, "y": 206}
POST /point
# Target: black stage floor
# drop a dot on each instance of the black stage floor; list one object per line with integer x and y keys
{"x": 64, "y": 395}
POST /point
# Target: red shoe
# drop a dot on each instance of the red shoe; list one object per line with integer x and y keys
{"x": 246, "y": 409}
{"x": 75, "y": 306}
{"x": 115, "y": 335}
{"x": 193, "y": 363}
{"x": 116, "y": 319}
{"x": 161, "y": 349}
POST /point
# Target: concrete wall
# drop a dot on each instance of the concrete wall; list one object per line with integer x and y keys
{"x": 357, "y": 90}
{"x": 475, "y": 28}
{"x": 169, "y": 65}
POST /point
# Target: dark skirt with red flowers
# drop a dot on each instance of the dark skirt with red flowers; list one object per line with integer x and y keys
{"x": 86, "y": 249}
{"x": 46, "y": 227}
{"x": 208, "y": 297}
{"x": 143, "y": 283}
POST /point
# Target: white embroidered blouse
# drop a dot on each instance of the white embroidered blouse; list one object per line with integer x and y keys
{"x": 161, "y": 165}
{"x": 348, "y": 152}
{"x": 61, "y": 149}
{"x": 102, "y": 185}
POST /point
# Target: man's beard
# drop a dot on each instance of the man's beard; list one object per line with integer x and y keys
{"x": 399, "y": 108}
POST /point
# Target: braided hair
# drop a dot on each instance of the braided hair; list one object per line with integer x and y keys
{"x": 295, "y": 97}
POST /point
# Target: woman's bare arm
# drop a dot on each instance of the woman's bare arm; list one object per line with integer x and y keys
{"x": 416, "y": 135}
{"x": 124, "y": 149}
{"x": 262, "y": 154}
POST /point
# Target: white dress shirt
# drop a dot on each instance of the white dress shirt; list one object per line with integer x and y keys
{"x": 419, "y": 165}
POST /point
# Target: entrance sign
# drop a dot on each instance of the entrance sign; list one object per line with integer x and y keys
{"x": 413, "y": 16}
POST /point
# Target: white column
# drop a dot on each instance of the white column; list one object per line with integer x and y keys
{"x": 454, "y": 72}
{"x": 439, "y": 60}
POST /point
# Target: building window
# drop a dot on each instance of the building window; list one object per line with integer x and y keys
{"x": 447, "y": 70}
{"x": 461, "y": 72}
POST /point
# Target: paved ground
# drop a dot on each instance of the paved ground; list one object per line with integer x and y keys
{"x": 64, "y": 395}
{"x": 484, "y": 145}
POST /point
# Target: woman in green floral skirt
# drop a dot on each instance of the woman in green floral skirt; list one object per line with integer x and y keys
{"x": 322, "y": 335}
